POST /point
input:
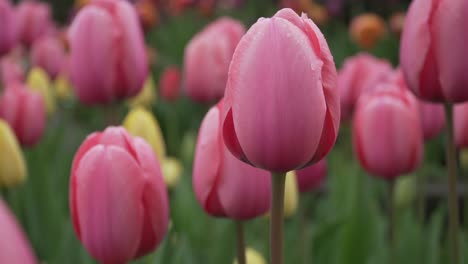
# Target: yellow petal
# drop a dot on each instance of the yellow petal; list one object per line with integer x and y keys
{"x": 172, "y": 170}
{"x": 253, "y": 257}
{"x": 38, "y": 80}
{"x": 141, "y": 123}
{"x": 291, "y": 194}
{"x": 63, "y": 88}
{"x": 147, "y": 96}
{"x": 12, "y": 164}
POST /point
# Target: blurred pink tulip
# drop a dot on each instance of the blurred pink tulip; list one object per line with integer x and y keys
{"x": 433, "y": 46}
{"x": 11, "y": 72}
{"x": 460, "y": 122}
{"x": 223, "y": 185}
{"x": 281, "y": 112}
{"x": 108, "y": 57}
{"x": 8, "y": 27}
{"x": 49, "y": 54}
{"x": 207, "y": 58}
{"x": 360, "y": 74}
{"x": 169, "y": 84}
{"x": 310, "y": 178}
{"x": 24, "y": 110}
{"x": 387, "y": 133}
{"x": 118, "y": 199}
{"x": 34, "y": 21}
{"x": 14, "y": 246}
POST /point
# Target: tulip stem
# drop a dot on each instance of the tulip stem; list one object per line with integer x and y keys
{"x": 452, "y": 184}
{"x": 277, "y": 215}
{"x": 240, "y": 243}
{"x": 392, "y": 223}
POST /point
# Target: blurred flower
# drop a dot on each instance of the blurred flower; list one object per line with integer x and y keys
{"x": 360, "y": 74}
{"x": 387, "y": 132}
{"x": 405, "y": 192}
{"x": 81, "y": 3}
{"x": 8, "y": 27}
{"x": 12, "y": 165}
{"x": 148, "y": 13}
{"x": 291, "y": 194}
{"x": 317, "y": 13}
{"x": 460, "y": 122}
{"x": 108, "y": 59}
{"x": 281, "y": 112}
{"x": 432, "y": 50}
{"x": 169, "y": 83}
{"x": 48, "y": 53}
{"x": 252, "y": 256}
{"x": 310, "y": 178}
{"x": 367, "y": 29}
{"x": 230, "y": 4}
{"x": 24, "y": 110}
{"x": 11, "y": 71}
{"x": 223, "y": 185}
{"x": 334, "y": 7}
{"x": 118, "y": 200}
{"x": 34, "y": 21}
{"x": 147, "y": 96}
{"x": 397, "y": 21}
{"x": 207, "y": 58}
{"x": 14, "y": 246}
{"x": 206, "y": 7}
{"x": 63, "y": 89}
{"x": 39, "y": 81}
{"x": 172, "y": 170}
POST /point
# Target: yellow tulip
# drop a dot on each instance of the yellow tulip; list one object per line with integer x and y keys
{"x": 63, "y": 88}
{"x": 12, "y": 164}
{"x": 172, "y": 170}
{"x": 141, "y": 123}
{"x": 253, "y": 257}
{"x": 147, "y": 96}
{"x": 38, "y": 80}
{"x": 291, "y": 194}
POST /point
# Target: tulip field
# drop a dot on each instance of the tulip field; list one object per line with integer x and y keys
{"x": 233, "y": 131}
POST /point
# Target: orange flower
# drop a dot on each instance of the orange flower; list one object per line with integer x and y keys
{"x": 367, "y": 29}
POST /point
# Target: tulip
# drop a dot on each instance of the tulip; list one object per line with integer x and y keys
{"x": 460, "y": 117}
{"x": 108, "y": 59}
{"x": 24, "y": 110}
{"x": 11, "y": 72}
{"x": 291, "y": 195}
{"x": 169, "y": 84}
{"x": 34, "y": 20}
{"x": 118, "y": 200}
{"x": 253, "y": 257}
{"x": 39, "y": 81}
{"x": 360, "y": 74}
{"x": 147, "y": 96}
{"x": 12, "y": 163}
{"x": 48, "y": 53}
{"x": 14, "y": 246}
{"x": 7, "y": 27}
{"x": 148, "y": 13}
{"x": 207, "y": 58}
{"x": 223, "y": 185}
{"x": 367, "y": 29}
{"x": 312, "y": 177}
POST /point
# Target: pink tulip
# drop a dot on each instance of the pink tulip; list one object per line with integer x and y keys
{"x": 207, "y": 58}
{"x": 118, "y": 199}
{"x": 433, "y": 45}
{"x": 223, "y": 185}
{"x": 359, "y": 74}
{"x": 169, "y": 84}
{"x": 14, "y": 246}
{"x": 281, "y": 112}
{"x": 24, "y": 110}
{"x": 460, "y": 121}
{"x": 8, "y": 27}
{"x": 49, "y": 54}
{"x": 108, "y": 57}
{"x": 310, "y": 178}
{"x": 387, "y": 133}
{"x": 11, "y": 72}
{"x": 34, "y": 21}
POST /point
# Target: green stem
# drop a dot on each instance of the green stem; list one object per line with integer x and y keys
{"x": 240, "y": 243}
{"x": 392, "y": 223}
{"x": 452, "y": 184}
{"x": 420, "y": 197}
{"x": 277, "y": 215}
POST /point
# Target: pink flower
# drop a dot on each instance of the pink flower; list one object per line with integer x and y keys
{"x": 34, "y": 21}
{"x": 8, "y": 27}
{"x": 11, "y": 72}
{"x": 49, "y": 54}
{"x": 118, "y": 199}
{"x": 108, "y": 57}
{"x": 207, "y": 58}
{"x": 460, "y": 121}
{"x": 387, "y": 133}
{"x": 433, "y": 46}
{"x": 14, "y": 246}
{"x": 310, "y": 178}
{"x": 24, "y": 110}
{"x": 281, "y": 112}
{"x": 223, "y": 185}
{"x": 169, "y": 83}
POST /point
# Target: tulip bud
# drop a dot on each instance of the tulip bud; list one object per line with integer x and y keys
{"x": 39, "y": 81}
{"x": 207, "y": 58}
{"x": 367, "y": 29}
{"x": 147, "y": 96}
{"x": 291, "y": 194}
{"x": 260, "y": 124}
{"x": 252, "y": 257}
{"x": 12, "y": 164}
{"x": 223, "y": 185}
{"x": 8, "y": 27}
{"x": 24, "y": 110}
{"x": 109, "y": 28}
{"x": 172, "y": 170}
{"x": 432, "y": 53}
{"x": 14, "y": 246}
{"x": 34, "y": 20}
{"x": 48, "y": 53}
{"x": 118, "y": 200}
{"x": 310, "y": 178}
{"x": 169, "y": 84}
